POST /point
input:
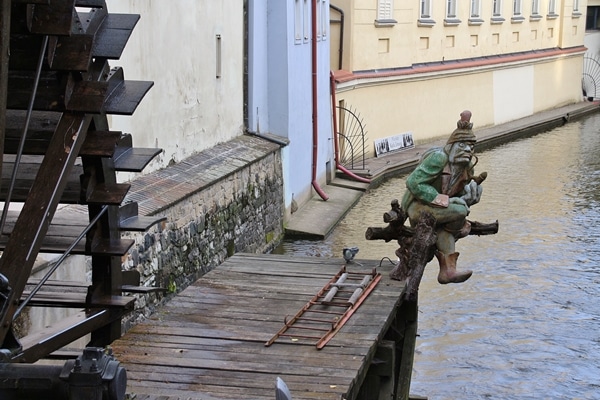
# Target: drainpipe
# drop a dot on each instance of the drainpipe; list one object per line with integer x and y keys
{"x": 315, "y": 130}
{"x": 335, "y": 137}
{"x": 341, "y": 44}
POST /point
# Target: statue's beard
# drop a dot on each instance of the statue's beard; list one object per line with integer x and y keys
{"x": 457, "y": 173}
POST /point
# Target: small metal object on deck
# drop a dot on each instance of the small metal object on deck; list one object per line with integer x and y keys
{"x": 281, "y": 390}
{"x": 318, "y": 320}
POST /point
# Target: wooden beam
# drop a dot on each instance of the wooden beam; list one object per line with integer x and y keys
{"x": 5, "y": 8}
{"x": 43, "y": 342}
{"x": 30, "y": 228}
{"x": 55, "y": 18}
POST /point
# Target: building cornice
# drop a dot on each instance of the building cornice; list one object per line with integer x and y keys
{"x": 351, "y": 80}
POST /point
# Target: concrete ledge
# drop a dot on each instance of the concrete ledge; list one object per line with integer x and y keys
{"x": 317, "y": 218}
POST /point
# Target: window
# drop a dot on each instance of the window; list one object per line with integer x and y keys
{"x": 497, "y": 8}
{"x": 576, "y": 12}
{"x": 552, "y": 9}
{"x": 451, "y": 19}
{"x": 425, "y": 9}
{"x": 298, "y": 21}
{"x": 497, "y": 12}
{"x": 592, "y": 21}
{"x": 318, "y": 19}
{"x": 535, "y": 7}
{"x": 324, "y": 19}
{"x": 535, "y": 10}
{"x": 517, "y": 8}
{"x": 385, "y": 10}
{"x": 475, "y": 15}
{"x": 517, "y": 16}
{"x": 385, "y": 13}
{"x": 306, "y": 13}
{"x": 475, "y": 9}
{"x": 451, "y": 9}
{"x": 425, "y": 14}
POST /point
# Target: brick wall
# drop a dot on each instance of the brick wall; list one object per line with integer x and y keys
{"x": 239, "y": 210}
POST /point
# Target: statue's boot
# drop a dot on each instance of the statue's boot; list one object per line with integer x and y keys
{"x": 448, "y": 272}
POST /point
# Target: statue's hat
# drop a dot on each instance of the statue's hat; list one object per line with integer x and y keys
{"x": 464, "y": 129}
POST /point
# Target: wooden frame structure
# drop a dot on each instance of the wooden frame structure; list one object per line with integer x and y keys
{"x": 57, "y": 88}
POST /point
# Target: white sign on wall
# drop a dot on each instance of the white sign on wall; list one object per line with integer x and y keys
{"x": 390, "y": 144}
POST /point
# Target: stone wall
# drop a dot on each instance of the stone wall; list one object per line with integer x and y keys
{"x": 240, "y": 211}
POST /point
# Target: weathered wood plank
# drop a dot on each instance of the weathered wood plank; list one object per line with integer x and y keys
{"x": 177, "y": 343}
{"x": 134, "y": 159}
{"x": 113, "y": 35}
{"x": 78, "y": 300}
{"x": 210, "y": 339}
{"x": 56, "y": 18}
{"x": 226, "y": 378}
{"x": 70, "y": 53}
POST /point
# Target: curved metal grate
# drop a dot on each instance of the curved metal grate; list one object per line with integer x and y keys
{"x": 590, "y": 81}
{"x": 351, "y": 138}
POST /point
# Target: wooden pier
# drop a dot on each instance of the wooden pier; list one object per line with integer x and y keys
{"x": 209, "y": 342}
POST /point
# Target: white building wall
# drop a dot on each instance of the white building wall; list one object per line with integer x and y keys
{"x": 176, "y": 45}
{"x": 258, "y": 67}
{"x": 592, "y": 42}
{"x": 280, "y": 100}
{"x": 190, "y": 108}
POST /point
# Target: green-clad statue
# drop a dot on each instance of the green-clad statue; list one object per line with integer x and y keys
{"x": 444, "y": 184}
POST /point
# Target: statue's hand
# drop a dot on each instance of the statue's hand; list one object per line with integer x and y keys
{"x": 459, "y": 201}
{"x": 473, "y": 193}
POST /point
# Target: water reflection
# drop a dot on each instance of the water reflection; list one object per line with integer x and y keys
{"x": 525, "y": 326}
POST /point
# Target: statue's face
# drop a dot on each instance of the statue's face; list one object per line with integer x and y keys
{"x": 461, "y": 152}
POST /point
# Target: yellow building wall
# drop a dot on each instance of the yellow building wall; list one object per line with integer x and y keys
{"x": 394, "y": 95}
{"x": 369, "y": 46}
{"x": 428, "y": 105}
{"x": 558, "y": 83}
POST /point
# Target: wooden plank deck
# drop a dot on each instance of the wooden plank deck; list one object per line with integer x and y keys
{"x": 209, "y": 341}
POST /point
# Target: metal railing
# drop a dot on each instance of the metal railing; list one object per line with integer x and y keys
{"x": 590, "y": 80}
{"x": 351, "y": 137}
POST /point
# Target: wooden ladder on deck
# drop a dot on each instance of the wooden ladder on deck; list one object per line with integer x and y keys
{"x": 325, "y": 314}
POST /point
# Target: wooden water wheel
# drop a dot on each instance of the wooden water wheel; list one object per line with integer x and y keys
{"x": 57, "y": 89}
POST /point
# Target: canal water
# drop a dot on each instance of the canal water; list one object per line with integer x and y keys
{"x": 527, "y": 323}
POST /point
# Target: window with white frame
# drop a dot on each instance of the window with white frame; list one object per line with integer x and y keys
{"x": 497, "y": 17}
{"x": 318, "y": 19}
{"x": 324, "y": 19}
{"x": 497, "y": 8}
{"x": 517, "y": 8}
{"x": 385, "y": 13}
{"x": 450, "y": 9}
{"x": 475, "y": 13}
{"x": 451, "y": 19}
{"x": 535, "y": 10}
{"x": 576, "y": 12}
{"x": 306, "y": 20}
{"x": 475, "y": 9}
{"x": 298, "y": 28}
{"x": 517, "y": 16}
{"x": 385, "y": 10}
{"x": 535, "y": 7}
{"x": 425, "y": 14}
{"x": 552, "y": 7}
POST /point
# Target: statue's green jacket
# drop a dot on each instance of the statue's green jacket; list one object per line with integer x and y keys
{"x": 430, "y": 180}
